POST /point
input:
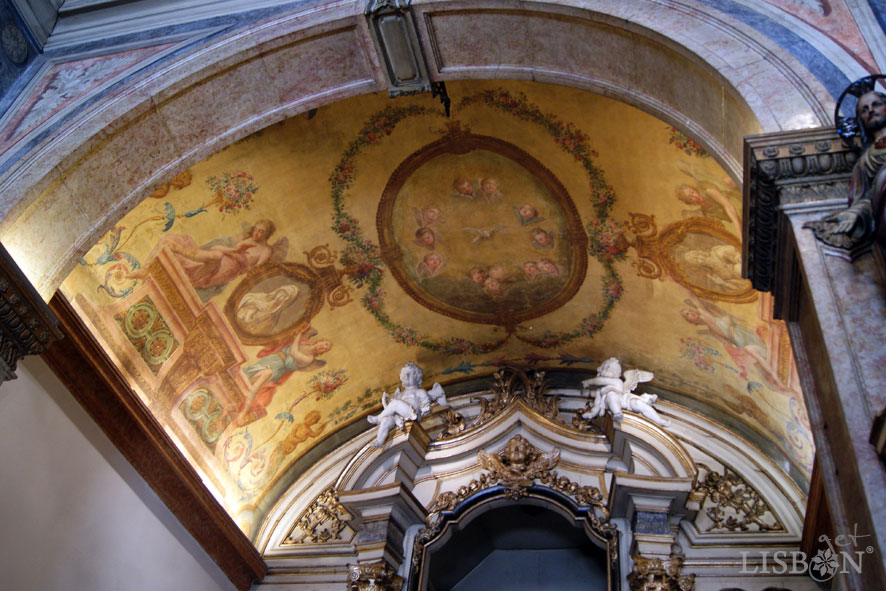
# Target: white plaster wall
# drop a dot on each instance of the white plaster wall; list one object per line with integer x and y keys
{"x": 75, "y": 515}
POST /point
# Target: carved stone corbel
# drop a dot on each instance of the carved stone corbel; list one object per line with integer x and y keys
{"x": 655, "y": 574}
{"x": 375, "y": 576}
{"x": 27, "y": 325}
{"x": 789, "y": 171}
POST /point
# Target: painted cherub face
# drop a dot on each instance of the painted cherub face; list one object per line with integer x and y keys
{"x": 548, "y": 267}
{"x": 463, "y": 186}
{"x": 527, "y": 212}
{"x": 431, "y": 215}
{"x": 542, "y": 237}
{"x": 690, "y": 195}
{"x": 530, "y": 268}
{"x": 259, "y": 232}
{"x": 497, "y": 272}
{"x": 478, "y": 275}
{"x": 433, "y": 261}
{"x": 425, "y": 236}
{"x": 489, "y": 186}
{"x": 492, "y": 285}
{"x": 321, "y": 347}
{"x": 691, "y": 316}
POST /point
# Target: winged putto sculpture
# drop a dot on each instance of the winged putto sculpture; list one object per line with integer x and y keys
{"x": 616, "y": 394}
{"x": 409, "y": 404}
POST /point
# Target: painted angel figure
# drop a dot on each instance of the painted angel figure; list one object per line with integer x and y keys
{"x": 409, "y": 404}
{"x": 211, "y": 266}
{"x": 616, "y": 395}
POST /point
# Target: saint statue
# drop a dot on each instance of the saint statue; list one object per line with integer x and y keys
{"x": 850, "y": 232}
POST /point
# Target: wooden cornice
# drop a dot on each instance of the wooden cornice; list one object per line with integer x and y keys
{"x": 787, "y": 169}
{"x": 27, "y": 326}
{"x": 81, "y": 364}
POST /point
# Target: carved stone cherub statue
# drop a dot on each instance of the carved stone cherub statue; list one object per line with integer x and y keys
{"x": 616, "y": 395}
{"x": 409, "y": 404}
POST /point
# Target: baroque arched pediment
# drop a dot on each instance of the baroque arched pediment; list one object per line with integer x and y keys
{"x": 366, "y": 503}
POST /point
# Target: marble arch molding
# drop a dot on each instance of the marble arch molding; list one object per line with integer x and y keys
{"x": 641, "y": 491}
{"x": 102, "y": 153}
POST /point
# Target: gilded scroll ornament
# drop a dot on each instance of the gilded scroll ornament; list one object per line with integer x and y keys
{"x": 509, "y": 384}
{"x": 731, "y": 504}
{"x": 518, "y": 467}
{"x": 322, "y": 521}
{"x": 375, "y": 576}
{"x": 454, "y": 423}
{"x": 655, "y": 574}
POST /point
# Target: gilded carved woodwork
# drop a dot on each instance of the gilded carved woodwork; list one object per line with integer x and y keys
{"x": 731, "y": 504}
{"x": 454, "y": 423}
{"x": 376, "y": 576}
{"x": 509, "y": 385}
{"x": 519, "y": 466}
{"x": 655, "y": 574}
{"x": 322, "y": 521}
{"x": 27, "y": 326}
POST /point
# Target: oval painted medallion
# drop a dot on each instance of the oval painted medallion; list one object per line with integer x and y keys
{"x": 477, "y": 229}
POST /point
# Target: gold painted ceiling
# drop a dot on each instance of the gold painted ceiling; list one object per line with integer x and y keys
{"x": 262, "y": 300}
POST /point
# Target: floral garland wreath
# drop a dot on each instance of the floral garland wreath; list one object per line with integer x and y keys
{"x": 363, "y": 262}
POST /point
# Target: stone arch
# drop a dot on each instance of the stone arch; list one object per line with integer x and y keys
{"x": 562, "y": 510}
{"x": 66, "y": 183}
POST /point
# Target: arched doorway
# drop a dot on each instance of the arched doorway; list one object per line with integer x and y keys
{"x": 541, "y": 541}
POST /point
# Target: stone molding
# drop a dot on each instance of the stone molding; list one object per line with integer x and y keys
{"x": 835, "y": 313}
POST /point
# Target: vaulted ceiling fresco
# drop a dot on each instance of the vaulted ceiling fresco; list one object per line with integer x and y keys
{"x": 261, "y": 301}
